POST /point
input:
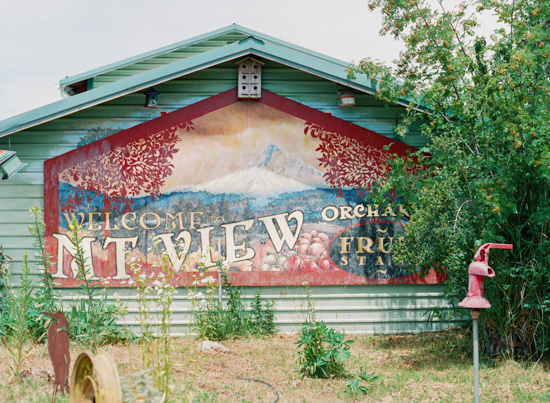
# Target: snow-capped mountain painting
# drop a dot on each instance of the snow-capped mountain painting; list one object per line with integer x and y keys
{"x": 273, "y": 172}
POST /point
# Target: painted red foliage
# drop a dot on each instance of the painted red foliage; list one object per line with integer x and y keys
{"x": 349, "y": 162}
{"x": 141, "y": 166}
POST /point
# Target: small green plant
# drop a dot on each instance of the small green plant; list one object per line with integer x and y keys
{"x": 355, "y": 388}
{"x": 143, "y": 292}
{"x": 20, "y": 303}
{"x": 80, "y": 318}
{"x": 322, "y": 351}
{"x": 121, "y": 312}
{"x": 140, "y": 387}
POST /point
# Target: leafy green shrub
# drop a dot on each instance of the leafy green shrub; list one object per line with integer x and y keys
{"x": 44, "y": 297}
{"x": 322, "y": 351}
{"x": 80, "y": 317}
{"x": 262, "y": 317}
{"x": 214, "y": 322}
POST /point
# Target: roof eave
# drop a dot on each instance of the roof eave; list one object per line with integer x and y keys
{"x": 68, "y": 81}
{"x": 320, "y": 67}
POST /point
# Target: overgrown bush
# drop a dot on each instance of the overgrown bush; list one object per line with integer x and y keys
{"x": 484, "y": 176}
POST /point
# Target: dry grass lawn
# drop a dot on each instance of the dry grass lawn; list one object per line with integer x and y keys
{"x": 426, "y": 367}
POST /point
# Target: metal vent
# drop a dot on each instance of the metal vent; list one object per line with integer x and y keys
{"x": 250, "y": 78}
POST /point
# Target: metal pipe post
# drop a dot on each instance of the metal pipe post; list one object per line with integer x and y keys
{"x": 220, "y": 288}
{"x": 475, "y": 317}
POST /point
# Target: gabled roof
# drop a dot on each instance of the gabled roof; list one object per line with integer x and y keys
{"x": 254, "y": 44}
{"x": 213, "y": 39}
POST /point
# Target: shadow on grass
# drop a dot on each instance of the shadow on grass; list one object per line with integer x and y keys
{"x": 436, "y": 350}
{"x": 441, "y": 350}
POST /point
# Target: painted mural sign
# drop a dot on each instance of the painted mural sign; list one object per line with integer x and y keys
{"x": 271, "y": 186}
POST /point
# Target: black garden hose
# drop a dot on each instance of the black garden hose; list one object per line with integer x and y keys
{"x": 265, "y": 383}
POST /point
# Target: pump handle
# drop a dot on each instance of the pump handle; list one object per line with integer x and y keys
{"x": 482, "y": 254}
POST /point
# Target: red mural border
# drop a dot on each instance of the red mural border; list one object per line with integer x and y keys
{"x": 53, "y": 167}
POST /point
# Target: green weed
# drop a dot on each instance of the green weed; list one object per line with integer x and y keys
{"x": 322, "y": 351}
{"x": 20, "y": 303}
{"x": 213, "y": 321}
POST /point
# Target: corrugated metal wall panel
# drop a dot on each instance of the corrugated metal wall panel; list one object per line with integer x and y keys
{"x": 355, "y": 309}
{"x": 381, "y": 308}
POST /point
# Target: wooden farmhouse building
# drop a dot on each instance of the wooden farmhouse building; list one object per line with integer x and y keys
{"x": 231, "y": 146}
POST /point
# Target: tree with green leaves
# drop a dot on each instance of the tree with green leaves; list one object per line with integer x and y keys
{"x": 484, "y": 176}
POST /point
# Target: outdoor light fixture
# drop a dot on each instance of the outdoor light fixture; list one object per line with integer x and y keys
{"x": 346, "y": 98}
{"x": 9, "y": 164}
{"x": 151, "y": 98}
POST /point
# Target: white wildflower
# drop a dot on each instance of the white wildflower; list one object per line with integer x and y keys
{"x": 208, "y": 280}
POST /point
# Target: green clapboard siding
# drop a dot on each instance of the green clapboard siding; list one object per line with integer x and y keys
{"x": 379, "y": 308}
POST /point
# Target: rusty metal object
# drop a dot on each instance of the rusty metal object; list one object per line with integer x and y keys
{"x": 58, "y": 347}
{"x": 95, "y": 379}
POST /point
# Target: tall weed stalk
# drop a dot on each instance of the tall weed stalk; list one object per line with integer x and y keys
{"x": 164, "y": 290}
{"x": 20, "y": 303}
{"x": 155, "y": 292}
{"x": 5, "y": 294}
{"x": 46, "y": 298}
{"x": 92, "y": 318}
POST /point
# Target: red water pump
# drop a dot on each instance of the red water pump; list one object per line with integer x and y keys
{"x": 478, "y": 270}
